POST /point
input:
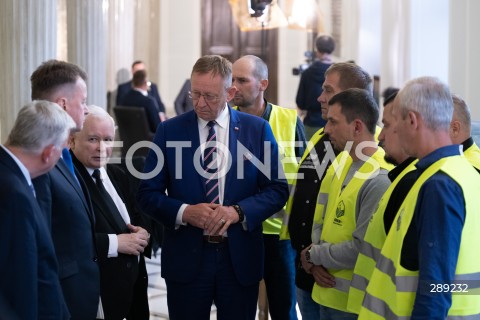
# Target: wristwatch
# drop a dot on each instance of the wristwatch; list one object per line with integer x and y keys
{"x": 241, "y": 216}
{"x": 307, "y": 256}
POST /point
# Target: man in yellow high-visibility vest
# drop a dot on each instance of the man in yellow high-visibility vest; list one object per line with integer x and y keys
{"x": 250, "y": 77}
{"x": 402, "y": 178}
{"x": 429, "y": 259}
{"x": 348, "y": 196}
{"x": 460, "y": 131}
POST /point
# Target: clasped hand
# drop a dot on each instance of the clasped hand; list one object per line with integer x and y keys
{"x": 322, "y": 277}
{"x": 134, "y": 242}
{"x": 214, "y": 218}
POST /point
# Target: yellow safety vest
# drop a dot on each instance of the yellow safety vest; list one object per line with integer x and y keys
{"x": 370, "y": 247}
{"x": 473, "y": 155}
{"x": 391, "y": 291}
{"x": 284, "y": 234}
{"x": 283, "y": 122}
{"x": 339, "y": 220}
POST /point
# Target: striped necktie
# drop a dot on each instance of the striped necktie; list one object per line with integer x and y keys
{"x": 210, "y": 165}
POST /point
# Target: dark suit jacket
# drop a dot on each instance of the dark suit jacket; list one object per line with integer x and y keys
{"x": 135, "y": 98}
{"x": 152, "y": 92}
{"x": 66, "y": 203}
{"x": 124, "y": 278}
{"x": 183, "y": 103}
{"x": 29, "y": 284}
{"x": 257, "y": 195}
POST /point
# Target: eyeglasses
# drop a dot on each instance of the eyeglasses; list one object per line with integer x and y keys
{"x": 209, "y": 98}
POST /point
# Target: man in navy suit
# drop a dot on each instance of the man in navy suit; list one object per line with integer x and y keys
{"x": 152, "y": 88}
{"x": 29, "y": 284}
{"x": 120, "y": 238}
{"x": 213, "y": 205}
{"x": 137, "y": 97}
{"x": 64, "y": 198}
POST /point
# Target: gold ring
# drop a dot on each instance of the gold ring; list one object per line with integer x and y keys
{"x": 222, "y": 221}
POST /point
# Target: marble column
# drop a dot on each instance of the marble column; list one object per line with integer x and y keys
{"x": 27, "y": 38}
{"x": 87, "y": 44}
{"x": 121, "y": 15}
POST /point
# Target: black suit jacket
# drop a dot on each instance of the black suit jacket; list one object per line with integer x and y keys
{"x": 29, "y": 284}
{"x": 124, "y": 278}
{"x": 135, "y": 98}
{"x": 152, "y": 92}
{"x": 66, "y": 204}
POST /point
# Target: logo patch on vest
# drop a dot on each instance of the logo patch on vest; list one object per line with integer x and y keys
{"x": 340, "y": 212}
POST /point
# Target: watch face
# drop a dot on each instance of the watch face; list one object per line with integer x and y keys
{"x": 307, "y": 256}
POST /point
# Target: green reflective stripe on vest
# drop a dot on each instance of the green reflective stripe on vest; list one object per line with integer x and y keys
{"x": 371, "y": 246}
{"x": 339, "y": 222}
{"x": 284, "y": 234}
{"x": 394, "y": 285}
{"x": 283, "y": 123}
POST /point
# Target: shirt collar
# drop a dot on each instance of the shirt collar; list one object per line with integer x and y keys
{"x": 144, "y": 92}
{"x": 222, "y": 119}
{"x": 103, "y": 172}
{"x": 443, "y": 152}
{"x": 467, "y": 143}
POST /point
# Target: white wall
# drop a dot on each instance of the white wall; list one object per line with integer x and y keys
{"x": 464, "y": 49}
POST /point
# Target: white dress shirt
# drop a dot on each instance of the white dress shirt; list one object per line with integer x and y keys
{"x": 221, "y": 129}
{"x": 113, "y": 241}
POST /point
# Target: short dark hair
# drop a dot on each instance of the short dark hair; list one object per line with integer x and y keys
{"x": 390, "y": 96}
{"x": 136, "y": 62}
{"x": 358, "y": 104}
{"x": 325, "y": 44}
{"x": 139, "y": 78}
{"x": 53, "y": 74}
{"x": 351, "y": 76}
{"x": 215, "y": 64}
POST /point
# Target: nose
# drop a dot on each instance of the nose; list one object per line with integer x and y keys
{"x": 381, "y": 135}
{"x": 320, "y": 97}
{"x": 327, "y": 128}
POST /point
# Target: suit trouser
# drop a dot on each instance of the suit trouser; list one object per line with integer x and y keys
{"x": 216, "y": 282}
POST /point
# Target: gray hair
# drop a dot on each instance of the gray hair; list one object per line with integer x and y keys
{"x": 99, "y": 113}
{"x": 217, "y": 65}
{"x": 40, "y": 124}
{"x": 430, "y": 98}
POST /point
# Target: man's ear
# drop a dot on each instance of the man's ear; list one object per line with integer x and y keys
{"x": 263, "y": 84}
{"x": 62, "y": 102}
{"x": 413, "y": 119}
{"x": 358, "y": 126}
{"x": 48, "y": 153}
{"x": 231, "y": 92}
{"x": 71, "y": 141}
{"x": 455, "y": 127}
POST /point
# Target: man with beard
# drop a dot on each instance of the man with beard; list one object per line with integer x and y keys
{"x": 250, "y": 77}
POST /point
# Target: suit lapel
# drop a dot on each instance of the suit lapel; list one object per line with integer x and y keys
{"x": 194, "y": 136}
{"x": 97, "y": 198}
{"x": 233, "y": 134}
